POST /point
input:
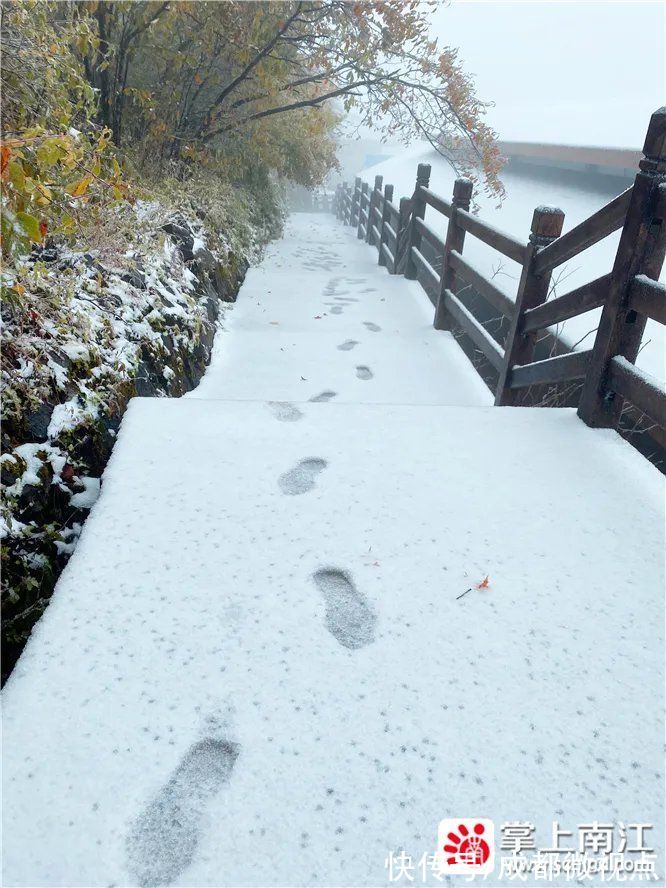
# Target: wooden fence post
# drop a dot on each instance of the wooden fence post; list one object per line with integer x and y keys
{"x": 343, "y": 200}
{"x": 640, "y": 251}
{"x": 348, "y": 212}
{"x": 386, "y": 215}
{"x": 356, "y": 198}
{"x": 418, "y": 211}
{"x": 369, "y": 237}
{"x": 547, "y": 225}
{"x": 360, "y": 234}
{"x": 455, "y": 239}
{"x": 401, "y": 235}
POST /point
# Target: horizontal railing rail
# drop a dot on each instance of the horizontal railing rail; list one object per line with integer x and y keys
{"x": 475, "y": 278}
{"x": 628, "y": 294}
{"x": 423, "y": 263}
{"x": 576, "y": 302}
{"x": 504, "y": 243}
{"x": 648, "y": 297}
{"x": 604, "y": 222}
{"x": 638, "y": 387}
{"x": 429, "y": 234}
{"x": 435, "y": 201}
{"x": 551, "y": 370}
{"x": 474, "y": 329}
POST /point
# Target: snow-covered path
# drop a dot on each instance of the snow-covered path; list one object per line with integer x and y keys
{"x": 256, "y": 669}
{"x": 318, "y": 316}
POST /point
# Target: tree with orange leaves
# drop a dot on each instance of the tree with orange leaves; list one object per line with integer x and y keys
{"x": 206, "y": 77}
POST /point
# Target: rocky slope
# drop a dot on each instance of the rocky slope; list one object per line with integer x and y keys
{"x": 83, "y": 332}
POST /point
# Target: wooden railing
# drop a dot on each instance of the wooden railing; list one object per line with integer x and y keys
{"x": 628, "y": 294}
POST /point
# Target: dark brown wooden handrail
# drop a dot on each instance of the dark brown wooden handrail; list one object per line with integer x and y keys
{"x": 393, "y": 210}
{"x": 421, "y": 261}
{"x": 476, "y": 331}
{"x": 559, "y": 369}
{"x": 576, "y": 302}
{"x": 471, "y": 275}
{"x": 504, "y": 243}
{"x": 391, "y": 258}
{"x": 604, "y": 222}
{"x": 639, "y": 388}
{"x": 648, "y": 297}
{"x": 629, "y": 294}
{"x": 431, "y": 236}
{"x": 435, "y": 201}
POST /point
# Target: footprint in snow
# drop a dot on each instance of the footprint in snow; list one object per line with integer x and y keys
{"x": 347, "y": 345}
{"x": 163, "y": 839}
{"x": 374, "y": 327}
{"x": 349, "y": 617}
{"x": 336, "y": 310}
{"x": 323, "y": 396}
{"x": 302, "y": 477}
{"x": 364, "y": 372}
{"x": 284, "y": 411}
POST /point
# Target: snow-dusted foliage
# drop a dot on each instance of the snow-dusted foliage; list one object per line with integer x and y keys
{"x": 83, "y": 332}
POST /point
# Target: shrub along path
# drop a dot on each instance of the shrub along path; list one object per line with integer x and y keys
{"x": 258, "y": 669}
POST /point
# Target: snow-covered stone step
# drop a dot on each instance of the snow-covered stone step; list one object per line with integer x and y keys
{"x": 257, "y": 669}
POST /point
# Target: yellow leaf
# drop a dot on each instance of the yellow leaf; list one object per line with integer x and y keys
{"x": 79, "y": 188}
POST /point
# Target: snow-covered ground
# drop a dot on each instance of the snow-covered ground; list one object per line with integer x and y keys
{"x": 256, "y": 668}
{"x": 524, "y": 192}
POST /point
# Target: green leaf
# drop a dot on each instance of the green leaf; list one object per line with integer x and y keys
{"x": 17, "y": 175}
{"x": 30, "y": 226}
{"x": 48, "y": 153}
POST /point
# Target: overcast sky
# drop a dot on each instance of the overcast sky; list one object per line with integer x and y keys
{"x": 565, "y": 72}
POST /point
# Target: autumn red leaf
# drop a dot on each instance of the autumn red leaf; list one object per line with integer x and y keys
{"x": 5, "y": 154}
{"x": 484, "y": 584}
{"x": 43, "y": 228}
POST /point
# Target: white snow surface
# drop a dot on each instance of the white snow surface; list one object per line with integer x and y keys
{"x": 255, "y": 670}
{"x": 85, "y": 498}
